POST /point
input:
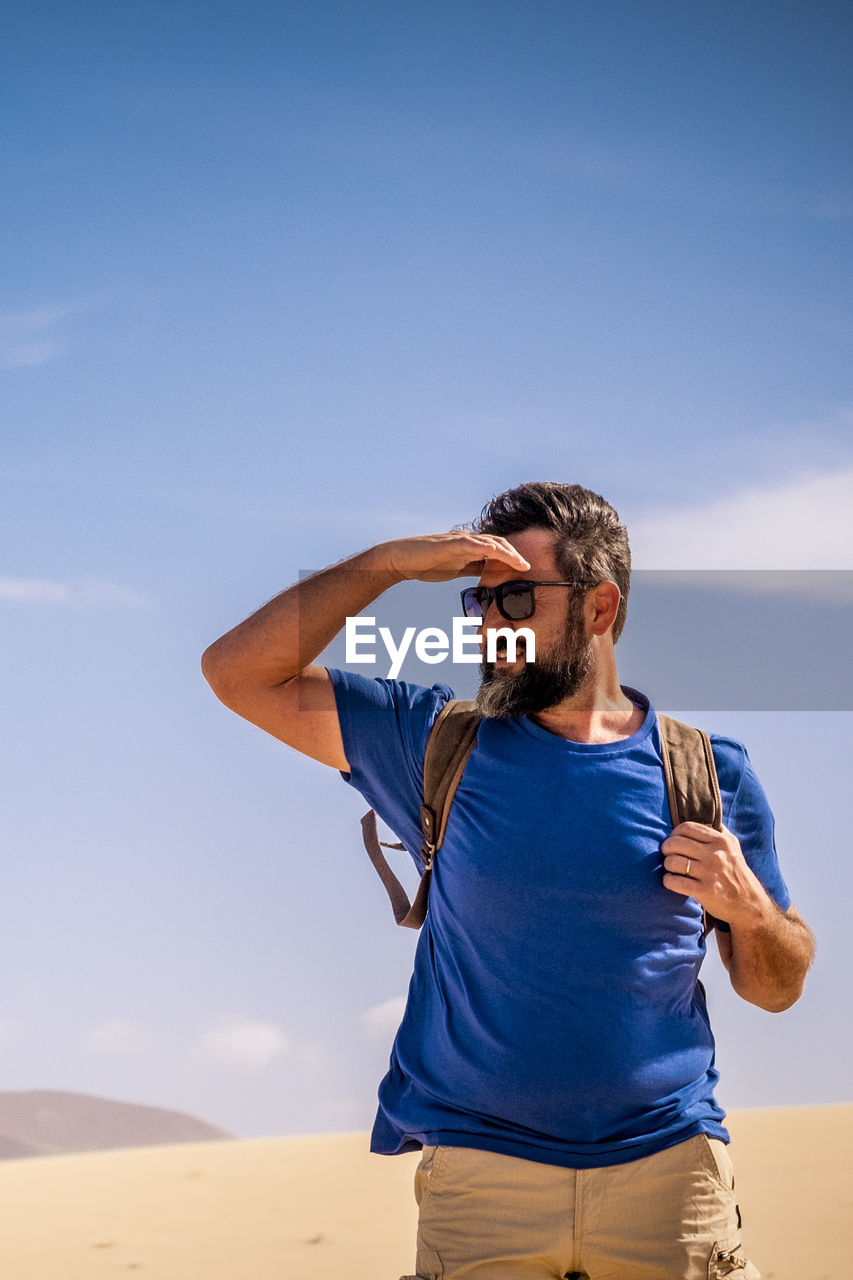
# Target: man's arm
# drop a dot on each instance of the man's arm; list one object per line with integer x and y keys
{"x": 263, "y": 668}
{"x": 769, "y": 958}
{"x": 769, "y": 951}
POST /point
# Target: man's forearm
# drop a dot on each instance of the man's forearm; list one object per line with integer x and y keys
{"x": 285, "y": 636}
{"x": 768, "y": 957}
{"x": 768, "y": 951}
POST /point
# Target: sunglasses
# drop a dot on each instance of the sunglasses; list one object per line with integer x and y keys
{"x": 515, "y": 599}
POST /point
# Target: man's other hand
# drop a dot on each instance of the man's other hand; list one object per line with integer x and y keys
{"x": 708, "y": 865}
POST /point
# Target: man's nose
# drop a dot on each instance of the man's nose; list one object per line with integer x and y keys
{"x": 494, "y": 621}
{"x": 494, "y": 612}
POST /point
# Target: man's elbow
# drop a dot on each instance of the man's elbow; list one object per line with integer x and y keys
{"x": 770, "y": 1001}
{"x": 208, "y": 661}
{"x": 783, "y": 1002}
{"x": 215, "y": 669}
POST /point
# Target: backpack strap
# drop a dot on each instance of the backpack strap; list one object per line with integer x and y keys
{"x": 691, "y": 781}
{"x": 451, "y": 741}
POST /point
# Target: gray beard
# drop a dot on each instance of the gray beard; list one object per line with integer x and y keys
{"x": 539, "y": 685}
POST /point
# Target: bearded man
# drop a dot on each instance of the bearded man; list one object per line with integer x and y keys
{"x": 555, "y": 1062}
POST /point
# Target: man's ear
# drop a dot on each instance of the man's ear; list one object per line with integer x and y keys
{"x": 602, "y": 607}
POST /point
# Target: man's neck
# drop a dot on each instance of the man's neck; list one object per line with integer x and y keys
{"x": 598, "y": 712}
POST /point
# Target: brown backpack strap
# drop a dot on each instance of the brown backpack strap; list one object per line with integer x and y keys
{"x": 691, "y": 780}
{"x": 400, "y": 904}
{"x": 450, "y": 743}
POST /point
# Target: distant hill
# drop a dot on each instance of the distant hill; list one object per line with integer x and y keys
{"x": 43, "y": 1122}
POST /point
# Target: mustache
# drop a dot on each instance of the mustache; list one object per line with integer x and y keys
{"x": 500, "y": 652}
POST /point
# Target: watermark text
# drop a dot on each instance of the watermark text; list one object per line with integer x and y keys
{"x": 432, "y": 644}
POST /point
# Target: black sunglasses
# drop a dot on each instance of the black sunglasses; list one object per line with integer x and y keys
{"x": 515, "y": 599}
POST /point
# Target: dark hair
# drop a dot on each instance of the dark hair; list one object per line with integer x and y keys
{"x": 591, "y": 544}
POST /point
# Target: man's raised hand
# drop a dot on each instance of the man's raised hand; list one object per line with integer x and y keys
{"x": 438, "y": 557}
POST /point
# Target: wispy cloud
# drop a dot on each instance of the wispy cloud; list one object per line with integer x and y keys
{"x": 804, "y": 523}
{"x": 35, "y": 591}
{"x": 382, "y": 1020}
{"x": 31, "y": 338}
{"x": 39, "y": 335}
{"x": 74, "y": 593}
{"x": 119, "y": 1035}
{"x": 244, "y": 1043}
{"x": 29, "y": 355}
{"x": 650, "y": 167}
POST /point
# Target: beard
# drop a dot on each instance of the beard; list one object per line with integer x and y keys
{"x": 554, "y": 676}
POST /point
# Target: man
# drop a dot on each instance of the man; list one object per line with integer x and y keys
{"x": 555, "y": 1060}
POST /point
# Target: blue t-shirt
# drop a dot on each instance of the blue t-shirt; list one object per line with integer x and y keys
{"x": 554, "y": 1011}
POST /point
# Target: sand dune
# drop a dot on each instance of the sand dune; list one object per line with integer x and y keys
{"x": 45, "y": 1122}
{"x": 318, "y": 1208}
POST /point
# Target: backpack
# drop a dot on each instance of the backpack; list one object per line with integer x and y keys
{"x": 689, "y": 772}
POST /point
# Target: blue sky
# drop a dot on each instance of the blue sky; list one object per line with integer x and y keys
{"x": 284, "y": 280}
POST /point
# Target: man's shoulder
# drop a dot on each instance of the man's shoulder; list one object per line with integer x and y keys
{"x": 379, "y": 691}
{"x": 738, "y": 779}
{"x": 729, "y": 753}
{"x": 378, "y": 706}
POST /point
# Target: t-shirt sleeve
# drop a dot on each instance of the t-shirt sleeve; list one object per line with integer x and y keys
{"x": 385, "y": 725}
{"x": 747, "y": 813}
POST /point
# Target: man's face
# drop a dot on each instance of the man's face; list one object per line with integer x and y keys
{"x": 563, "y": 651}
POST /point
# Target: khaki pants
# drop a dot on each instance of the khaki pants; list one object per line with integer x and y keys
{"x": 670, "y": 1216}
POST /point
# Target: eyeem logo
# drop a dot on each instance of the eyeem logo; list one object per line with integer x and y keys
{"x": 432, "y": 644}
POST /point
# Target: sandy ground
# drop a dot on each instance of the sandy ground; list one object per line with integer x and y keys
{"x": 321, "y": 1207}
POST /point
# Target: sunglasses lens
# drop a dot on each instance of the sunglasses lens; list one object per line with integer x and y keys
{"x": 472, "y": 602}
{"x": 517, "y": 601}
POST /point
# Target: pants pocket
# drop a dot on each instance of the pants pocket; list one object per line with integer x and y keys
{"x": 727, "y": 1262}
{"x": 717, "y": 1161}
{"x": 427, "y": 1172}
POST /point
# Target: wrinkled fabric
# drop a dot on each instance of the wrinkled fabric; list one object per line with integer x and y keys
{"x": 671, "y": 1216}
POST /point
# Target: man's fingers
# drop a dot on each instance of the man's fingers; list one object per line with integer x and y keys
{"x": 442, "y": 556}
{"x": 680, "y": 884}
{"x": 483, "y": 547}
{"x": 685, "y": 845}
{"x": 696, "y": 831}
{"x": 502, "y": 550}
{"x": 682, "y": 864}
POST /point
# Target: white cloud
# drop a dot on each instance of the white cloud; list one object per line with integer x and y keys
{"x": 78, "y": 592}
{"x": 119, "y": 1035}
{"x": 244, "y": 1043}
{"x": 315, "y": 1057}
{"x": 35, "y": 590}
{"x": 382, "y": 1020}
{"x": 800, "y": 524}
